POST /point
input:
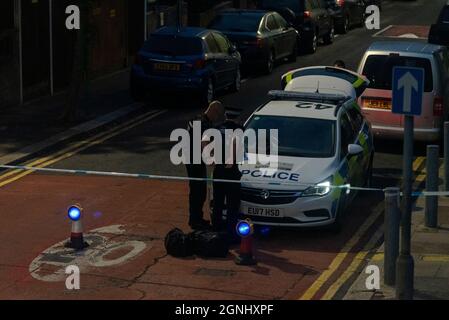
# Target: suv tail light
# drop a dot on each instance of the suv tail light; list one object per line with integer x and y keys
{"x": 340, "y": 3}
{"x": 438, "y": 106}
{"x": 307, "y": 14}
{"x": 199, "y": 64}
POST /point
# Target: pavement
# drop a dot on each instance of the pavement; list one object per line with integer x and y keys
{"x": 37, "y": 125}
{"x": 430, "y": 250}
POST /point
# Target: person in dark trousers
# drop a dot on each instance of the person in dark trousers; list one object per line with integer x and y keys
{"x": 227, "y": 194}
{"x": 213, "y": 116}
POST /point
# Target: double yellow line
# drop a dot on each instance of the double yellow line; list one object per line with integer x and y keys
{"x": 358, "y": 259}
{"x": 14, "y": 175}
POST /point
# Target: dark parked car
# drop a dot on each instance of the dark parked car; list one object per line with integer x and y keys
{"x": 347, "y": 13}
{"x": 261, "y": 37}
{"x": 310, "y": 17}
{"x": 191, "y": 59}
{"x": 439, "y": 32}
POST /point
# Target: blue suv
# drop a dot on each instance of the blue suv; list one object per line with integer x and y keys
{"x": 190, "y": 60}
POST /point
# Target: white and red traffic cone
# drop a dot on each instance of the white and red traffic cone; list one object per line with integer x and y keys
{"x": 76, "y": 236}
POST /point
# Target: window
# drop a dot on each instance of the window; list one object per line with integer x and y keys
{"x": 444, "y": 55}
{"x": 271, "y": 23}
{"x": 236, "y": 22}
{"x": 299, "y": 137}
{"x": 175, "y": 46}
{"x": 280, "y": 21}
{"x": 347, "y": 135}
{"x": 223, "y": 44}
{"x": 314, "y": 4}
{"x": 322, "y": 4}
{"x": 356, "y": 119}
{"x": 379, "y": 69}
{"x": 212, "y": 44}
{"x": 309, "y": 5}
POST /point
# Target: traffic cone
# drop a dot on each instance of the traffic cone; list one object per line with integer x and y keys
{"x": 245, "y": 230}
{"x": 76, "y": 236}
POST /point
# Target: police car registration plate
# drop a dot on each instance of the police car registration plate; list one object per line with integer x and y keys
{"x": 264, "y": 212}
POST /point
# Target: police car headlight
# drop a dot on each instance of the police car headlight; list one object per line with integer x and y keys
{"x": 321, "y": 189}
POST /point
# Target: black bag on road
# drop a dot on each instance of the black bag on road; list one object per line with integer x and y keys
{"x": 209, "y": 244}
{"x": 178, "y": 244}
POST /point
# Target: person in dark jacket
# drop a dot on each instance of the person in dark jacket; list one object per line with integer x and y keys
{"x": 226, "y": 195}
{"x": 213, "y": 116}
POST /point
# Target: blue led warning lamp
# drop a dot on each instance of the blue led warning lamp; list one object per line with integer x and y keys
{"x": 245, "y": 228}
{"x": 74, "y": 213}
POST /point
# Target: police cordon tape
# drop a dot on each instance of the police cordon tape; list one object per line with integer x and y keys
{"x": 346, "y": 187}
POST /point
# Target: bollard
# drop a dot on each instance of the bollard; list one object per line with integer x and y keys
{"x": 432, "y": 166}
{"x": 76, "y": 236}
{"x": 391, "y": 231}
{"x": 446, "y": 156}
{"x": 245, "y": 229}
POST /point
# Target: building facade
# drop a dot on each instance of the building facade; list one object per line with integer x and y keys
{"x": 37, "y": 50}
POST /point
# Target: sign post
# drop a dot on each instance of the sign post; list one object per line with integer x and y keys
{"x": 408, "y": 88}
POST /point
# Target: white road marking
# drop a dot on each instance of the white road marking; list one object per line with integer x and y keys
{"x": 51, "y": 263}
{"x": 382, "y": 31}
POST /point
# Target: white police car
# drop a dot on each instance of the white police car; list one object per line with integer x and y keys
{"x": 323, "y": 141}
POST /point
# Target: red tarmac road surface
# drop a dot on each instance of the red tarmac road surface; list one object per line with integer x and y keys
{"x": 33, "y": 219}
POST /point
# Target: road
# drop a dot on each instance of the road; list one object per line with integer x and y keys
{"x": 293, "y": 264}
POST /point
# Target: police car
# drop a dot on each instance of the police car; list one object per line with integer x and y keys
{"x": 324, "y": 146}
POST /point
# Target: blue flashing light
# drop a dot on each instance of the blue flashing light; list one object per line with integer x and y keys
{"x": 74, "y": 213}
{"x": 244, "y": 228}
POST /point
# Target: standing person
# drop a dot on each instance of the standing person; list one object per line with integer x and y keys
{"x": 213, "y": 116}
{"x": 227, "y": 192}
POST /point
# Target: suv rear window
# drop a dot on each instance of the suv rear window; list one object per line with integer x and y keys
{"x": 173, "y": 46}
{"x": 379, "y": 70}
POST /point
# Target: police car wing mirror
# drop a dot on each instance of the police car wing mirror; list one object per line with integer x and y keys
{"x": 354, "y": 149}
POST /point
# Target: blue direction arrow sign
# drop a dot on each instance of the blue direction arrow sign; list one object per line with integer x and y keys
{"x": 408, "y": 89}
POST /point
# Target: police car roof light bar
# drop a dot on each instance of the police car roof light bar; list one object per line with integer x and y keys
{"x": 308, "y": 96}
